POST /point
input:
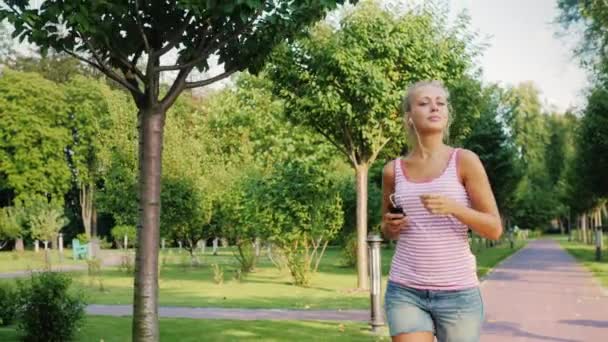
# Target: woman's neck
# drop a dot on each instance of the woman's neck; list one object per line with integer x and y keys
{"x": 429, "y": 147}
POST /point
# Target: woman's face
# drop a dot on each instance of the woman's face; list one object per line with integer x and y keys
{"x": 428, "y": 109}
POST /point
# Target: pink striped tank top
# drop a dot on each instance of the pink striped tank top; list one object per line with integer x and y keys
{"x": 433, "y": 252}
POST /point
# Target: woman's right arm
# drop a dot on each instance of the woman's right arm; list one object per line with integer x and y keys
{"x": 391, "y": 223}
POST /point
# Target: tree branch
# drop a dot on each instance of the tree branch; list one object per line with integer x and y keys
{"x": 225, "y": 74}
{"x": 107, "y": 72}
{"x": 176, "y": 88}
{"x": 333, "y": 142}
{"x": 353, "y": 154}
{"x": 141, "y": 28}
{"x": 375, "y": 154}
{"x": 203, "y": 54}
{"x": 131, "y": 67}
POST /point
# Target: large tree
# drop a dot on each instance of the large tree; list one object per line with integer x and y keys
{"x": 125, "y": 39}
{"x": 346, "y": 83}
{"x": 489, "y": 139}
{"x": 33, "y": 138}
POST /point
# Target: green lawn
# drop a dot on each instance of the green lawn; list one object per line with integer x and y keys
{"x": 585, "y": 254}
{"x": 183, "y": 285}
{"x": 118, "y": 329}
{"x": 30, "y": 260}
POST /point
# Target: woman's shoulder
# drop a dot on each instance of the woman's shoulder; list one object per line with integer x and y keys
{"x": 466, "y": 155}
{"x": 389, "y": 168}
{"x": 467, "y": 161}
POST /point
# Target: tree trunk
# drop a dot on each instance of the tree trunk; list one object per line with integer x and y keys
{"x": 145, "y": 296}
{"x": 94, "y": 221}
{"x": 87, "y": 192}
{"x": 584, "y": 227}
{"x": 19, "y": 245}
{"x": 362, "y": 267}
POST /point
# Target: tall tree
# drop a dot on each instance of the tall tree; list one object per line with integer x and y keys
{"x": 118, "y": 36}
{"x": 33, "y": 137}
{"x": 497, "y": 151}
{"x": 347, "y": 83}
{"x": 88, "y": 116}
{"x": 592, "y": 144}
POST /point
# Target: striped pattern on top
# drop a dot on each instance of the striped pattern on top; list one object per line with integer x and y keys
{"x": 433, "y": 252}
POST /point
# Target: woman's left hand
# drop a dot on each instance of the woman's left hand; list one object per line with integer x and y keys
{"x": 438, "y": 204}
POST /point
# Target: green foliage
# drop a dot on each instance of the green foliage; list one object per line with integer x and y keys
{"x": 83, "y": 238}
{"x": 249, "y": 29}
{"x": 245, "y": 255}
{"x": 586, "y": 176}
{"x": 489, "y": 140}
{"x": 185, "y": 215}
{"x": 33, "y": 137}
{"x": 347, "y": 84}
{"x": 301, "y": 210}
{"x": 9, "y": 300}
{"x": 55, "y": 67}
{"x": 591, "y": 19}
{"x": 47, "y": 221}
{"x": 218, "y": 274}
{"x": 536, "y": 202}
{"x": 119, "y": 232}
{"x": 12, "y": 221}
{"x": 48, "y": 310}
{"x": 593, "y": 142}
{"x": 349, "y": 251}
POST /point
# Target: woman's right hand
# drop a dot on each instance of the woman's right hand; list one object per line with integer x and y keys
{"x": 393, "y": 224}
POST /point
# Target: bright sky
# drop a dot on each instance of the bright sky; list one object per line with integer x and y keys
{"x": 524, "y": 46}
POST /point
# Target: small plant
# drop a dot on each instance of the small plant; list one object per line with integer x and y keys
{"x": 349, "y": 251}
{"x": 126, "y": 264}
{"x": 9, "y": 304}
{"x": 238, "y": 275}
{"x": 93, "y": 267}
{"x": 119, "y": 233}
{"x": 218, "y": 274}
{"x": 48, "y": 310}
{"x": 83, "y": 238}
{"x": 93, "y": 270}
{"x": 245, "y": 255}
{"x": 14, "y": 255}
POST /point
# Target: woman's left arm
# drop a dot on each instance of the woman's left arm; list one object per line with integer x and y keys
{"x": 483, "y": 216}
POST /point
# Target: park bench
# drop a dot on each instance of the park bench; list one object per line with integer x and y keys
{"x": 79, "y": 250}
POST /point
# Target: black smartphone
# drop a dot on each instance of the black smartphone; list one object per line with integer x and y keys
{"x": 397, "y": 210}
{"x": 394, "y": 208}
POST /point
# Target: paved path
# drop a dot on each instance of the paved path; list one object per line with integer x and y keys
{"x": 241, "y": 314}
{"x": 542, "y": 294}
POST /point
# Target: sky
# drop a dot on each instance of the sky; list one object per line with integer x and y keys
{"x": 524, "y": 47}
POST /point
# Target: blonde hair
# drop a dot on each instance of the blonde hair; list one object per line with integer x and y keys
{"x": 406, "y": 105}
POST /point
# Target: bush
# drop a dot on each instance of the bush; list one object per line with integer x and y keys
{"x": 47, "y": 310}
{"x": 9, "y": 304}
{"x": 119, "y": 232}
{"x": 245, "y": 254}
{"x": 349, "y": 251}
{"x": 218, "y": 274}
{"x": 83, "y": 238}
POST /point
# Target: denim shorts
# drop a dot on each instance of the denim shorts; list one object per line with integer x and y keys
{"x": 453, "y": 316}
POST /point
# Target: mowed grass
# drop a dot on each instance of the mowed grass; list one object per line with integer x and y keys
{"x": 181, "y": 284}
{"x": 118, "y": 329}
{"x": 11, "y": 261}
{"x": 585, "y": 254}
